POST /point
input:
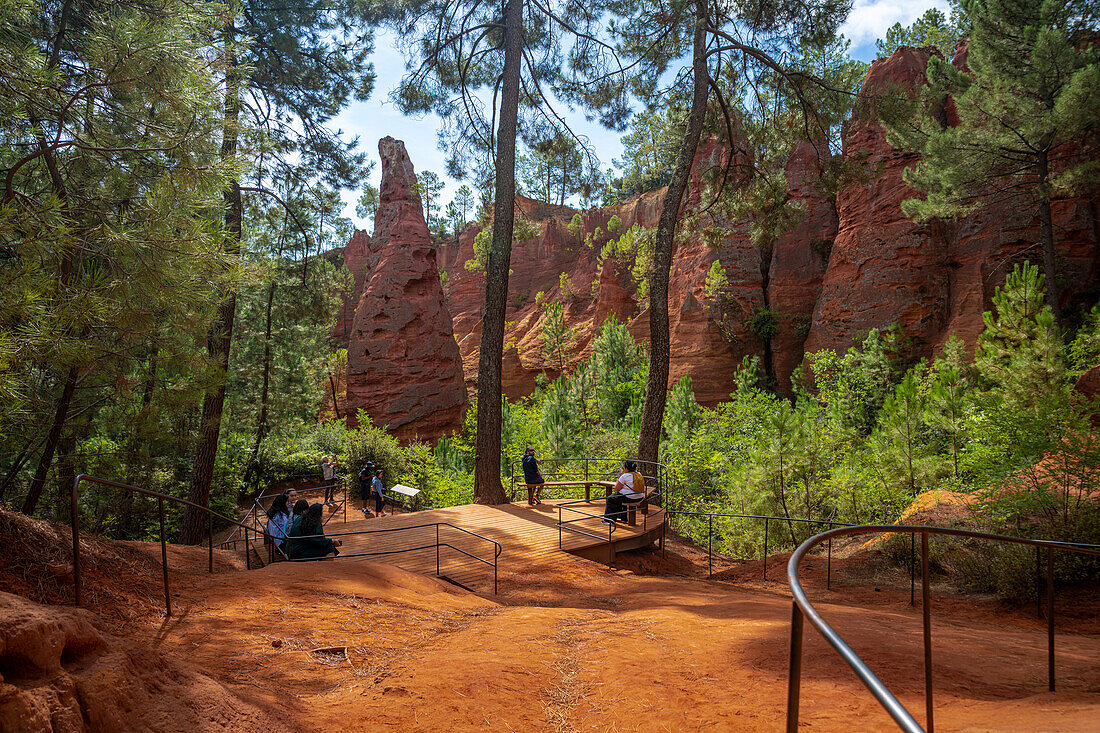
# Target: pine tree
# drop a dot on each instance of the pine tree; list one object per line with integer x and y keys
{"x": 514, "y": 54}
{"x": 1026, "y": 104}
{"x": 108, "y": 130}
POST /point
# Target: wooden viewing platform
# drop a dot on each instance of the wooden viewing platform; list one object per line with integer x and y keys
{"x": 526, "y": 534}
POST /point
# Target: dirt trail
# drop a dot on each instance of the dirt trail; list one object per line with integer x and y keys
{"x": 570, "y": 645}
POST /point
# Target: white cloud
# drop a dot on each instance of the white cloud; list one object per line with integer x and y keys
{"x": 869, "y": 19}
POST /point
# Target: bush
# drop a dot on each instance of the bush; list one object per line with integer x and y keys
{"x": 369, "y": 443}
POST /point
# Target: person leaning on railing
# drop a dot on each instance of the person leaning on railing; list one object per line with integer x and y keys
{"x": 531, "y": 475}
{"x": 307, "y": 538}
{"x": 629, "y": 487}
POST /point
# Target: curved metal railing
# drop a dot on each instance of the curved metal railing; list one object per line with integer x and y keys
{"x": 801, "y": 609}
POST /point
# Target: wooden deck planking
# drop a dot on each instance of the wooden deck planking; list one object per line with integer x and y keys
{"x": 526, "y": 533}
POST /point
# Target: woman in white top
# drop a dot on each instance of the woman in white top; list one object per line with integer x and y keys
{"x": 629, "y": 487}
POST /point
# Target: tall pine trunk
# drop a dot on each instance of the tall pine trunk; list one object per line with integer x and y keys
{"x": 61, "y": 413}
{"x": 1046, "y": 231}
{"x": 220, "y": 338}
{"x": 261, "y": 421}
{"x": 487, "y": 448}
{"x": 653, "y": 411}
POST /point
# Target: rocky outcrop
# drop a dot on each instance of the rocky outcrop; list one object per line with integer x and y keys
{"x": 359, "y": 261}
{"x": 799, "y": 259}
{"x": 404, "y": 367}
{"x": 58, "y": 672}
{"x": 932, "y": 280}
{"x": 852, "y": 262}
{"x": 883, "y": 268}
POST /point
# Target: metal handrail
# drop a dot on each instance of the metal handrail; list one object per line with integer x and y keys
{"x": 661, "y": 478}
{"x": 801, "y": 607}
{"x": 498, "y": 548}
{"x": 767, "y": 518}
{"x": 210, "y": 515}
{"x": 564, "y": 525}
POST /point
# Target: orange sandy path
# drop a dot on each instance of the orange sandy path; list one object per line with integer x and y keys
{"x": 571, "y": 645}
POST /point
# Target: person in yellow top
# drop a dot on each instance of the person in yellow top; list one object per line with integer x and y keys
{"x": 629, "y": 487}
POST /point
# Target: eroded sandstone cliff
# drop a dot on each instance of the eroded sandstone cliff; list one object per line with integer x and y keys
{"x": 853, "y": 262}
{"x": 404, "y": 366}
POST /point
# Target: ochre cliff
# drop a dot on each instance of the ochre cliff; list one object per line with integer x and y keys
{"x": 853, "y": 262}
{"x": 404, "y": 367}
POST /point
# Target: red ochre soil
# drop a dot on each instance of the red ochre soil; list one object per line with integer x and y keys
{"x": 567, "y": 645}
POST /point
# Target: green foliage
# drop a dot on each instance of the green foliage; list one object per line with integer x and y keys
{"x": 576, "y": 225}
{"x": 552, "y": 170}
{"x": 931, "y": 29}
{"x": 650, "y": 149}
{"x": 524, "y": 229}
{"x": 763, "y": 324}
{"x": 1084, "y": 350}
{"x": 633, "y": 251}
{"x": 557, "y": 337}
{"x": 716, "y": 282}
{"x": 614, "y": 225}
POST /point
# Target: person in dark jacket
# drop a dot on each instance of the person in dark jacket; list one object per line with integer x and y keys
{"x": 366, "y": 477}
{"x": 307, "y": 536}
{"x": 531, "y": 475}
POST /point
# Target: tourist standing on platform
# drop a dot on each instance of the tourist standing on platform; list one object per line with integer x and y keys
{"x": 531, "y": 476}
{"x": 379, "y": 496}
{"x": 328, "y": 473}
{"x": 629, "y": 487}
{"x": 366, "y": 476}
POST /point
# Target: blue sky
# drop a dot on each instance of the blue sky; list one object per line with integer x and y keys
{"x": 378, "y": 117}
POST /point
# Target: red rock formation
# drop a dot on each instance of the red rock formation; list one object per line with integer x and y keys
{"x": 799, "y": 259}
{"x": 404, "y": 366}
{"x": 358, "y": 261}
{"x": 935, "y": 279}
{"x": 883, "y": 268}
{"x": 852, "y": 263}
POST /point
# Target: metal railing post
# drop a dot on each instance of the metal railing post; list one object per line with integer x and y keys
{"x": 210, "y": 549}
{"x": 1050, "y": 618}
{"x": 794, "y": 669}
{"x": 1038, "y": 583}
{"x": 912, "y": 568}
{"x": 926, "y": 603}
{"x": 765, "y": 548}
{"x": 76, "y": 541}
{"x": 164, "y": 559}
{"x": 710, "y": 546}
{"x": 437, "y": 548}
{"x": 829, "y": 568}
{"x": 247, "y": 549}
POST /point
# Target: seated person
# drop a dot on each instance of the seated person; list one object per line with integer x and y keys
{"x": 300, "y": 508}
{"x": 307, "y": 536}
{"x": 278, "y": 520}
{"x": 629, "y": 487}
